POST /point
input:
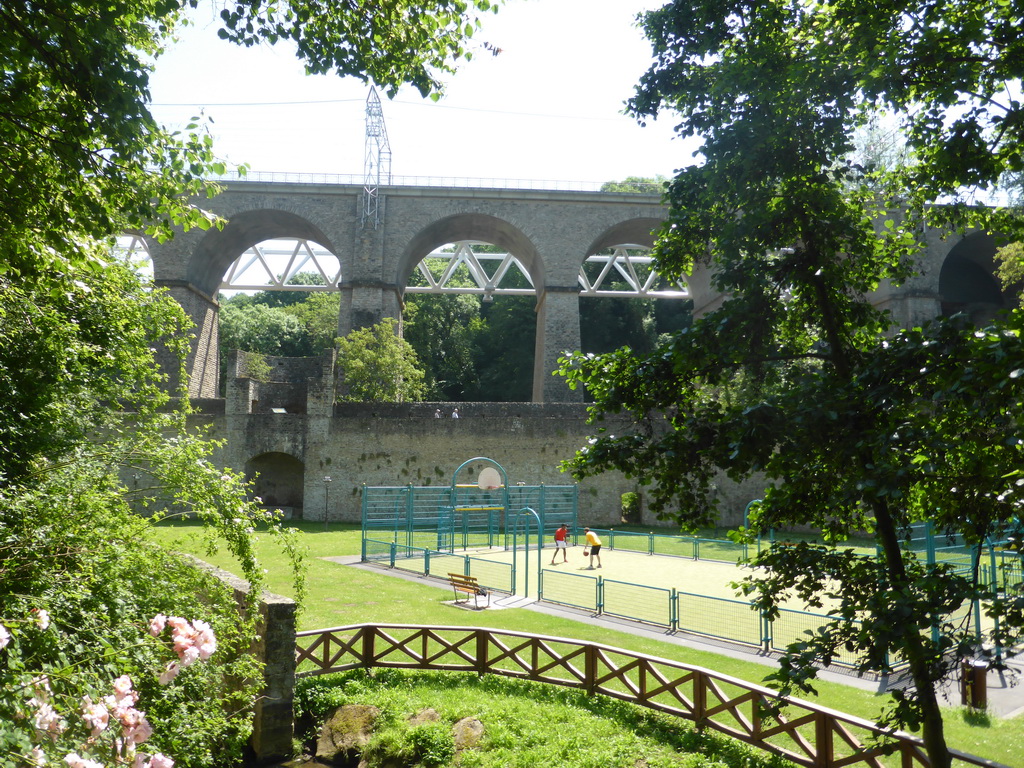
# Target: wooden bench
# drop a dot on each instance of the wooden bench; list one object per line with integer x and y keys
{"x": 468, "y": 585}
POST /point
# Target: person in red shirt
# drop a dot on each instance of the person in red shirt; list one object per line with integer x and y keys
{"x": 561, "y": 544}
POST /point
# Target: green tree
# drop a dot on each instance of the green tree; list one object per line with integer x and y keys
{"x": 797, "y": 378}
{"x": 318, "y": 316}
{"x": 504, "y": 350}
{"x": 259, "y": 328}
{"x": 90, "y": 411}
{"x": 285, "y": 323}
{"x": 82, "y": 161}
{"x": 442, "y": 331}
{"x": 637, "y": 185}
{"x": 376, "y": 365}
{"x": 609, "y": 323}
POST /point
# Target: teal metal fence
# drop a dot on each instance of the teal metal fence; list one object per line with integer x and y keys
{"x": 679, "y": 611}
{"x": 457, "y": 517}
{"x": 790, "y": 626}
{"x": 571, "y": 589}
{"x": 494, "y": 575}
{"x": 692, "y": 547}
{"x": 721, "y": 618}
{"x": 651, "y": 605}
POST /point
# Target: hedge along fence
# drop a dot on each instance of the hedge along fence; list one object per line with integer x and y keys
{"x": 806, "y": 734}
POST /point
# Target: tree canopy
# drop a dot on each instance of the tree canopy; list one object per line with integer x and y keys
{"x": 89, "y": 437}
{"x": 375, "y": 365}
{"x": 797, "y": 378}
{"x": 637, "y": 185}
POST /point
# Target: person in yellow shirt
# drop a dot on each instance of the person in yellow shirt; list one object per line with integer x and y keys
{"x": 594, "y": 545}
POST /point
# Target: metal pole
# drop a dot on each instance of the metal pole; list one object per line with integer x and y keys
{"x": 327, "y": 498}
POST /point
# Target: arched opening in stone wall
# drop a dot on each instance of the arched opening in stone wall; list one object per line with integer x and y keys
{"x": 469, "y": 308}
{"x": 967, "y": 280}
{"x": 277, "y": 481}
{"x": 470, "y": 314}
{"x": 624, "y": 302}
{"x": 279, "y": 298}
{"x": 258, "y": 266}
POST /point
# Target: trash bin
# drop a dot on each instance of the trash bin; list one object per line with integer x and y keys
{"x": 974, "y": 683}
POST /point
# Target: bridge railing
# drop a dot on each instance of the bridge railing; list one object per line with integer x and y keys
{"x": 455, "y": 182}
{"x": 806, "y": 734}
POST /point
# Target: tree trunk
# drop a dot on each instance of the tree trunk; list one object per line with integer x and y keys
{"x": 932, "y": 727}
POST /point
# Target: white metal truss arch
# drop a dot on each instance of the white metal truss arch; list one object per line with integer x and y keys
{"x": 624, "y": 271}
{"x": 627, "y": 271}
{"x": 273, "y": 265}
{"x": 133, "y": 250}
{"x": 488, "y": 271}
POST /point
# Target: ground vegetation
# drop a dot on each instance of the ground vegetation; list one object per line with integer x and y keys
{"x": 416, "y": 718}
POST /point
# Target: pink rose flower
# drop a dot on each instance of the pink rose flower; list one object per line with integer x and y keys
{"x": 123, "y": 686}
{"x": 5, "y": 636}
{"x": 189, "y": 655}
{"x": 47, "y": 720}
{"x": 74, "y": 760}
{"x": 136, "y": 728}
{"x": 157, "y": 624}
{"x": 205, "y": 640}
{"x": 96, "y": 717}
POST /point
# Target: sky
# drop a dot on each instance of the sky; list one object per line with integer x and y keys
{"x": 548, "y": 107}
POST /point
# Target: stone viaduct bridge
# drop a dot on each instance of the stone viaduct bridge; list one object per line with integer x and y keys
{"x": 550, "y": 232}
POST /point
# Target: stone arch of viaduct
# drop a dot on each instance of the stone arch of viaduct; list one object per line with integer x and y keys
{"x": 550, "y": 232}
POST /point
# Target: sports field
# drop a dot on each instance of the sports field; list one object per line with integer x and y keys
{"x": 679, "y": 593}
{"x": 709, "y": 578}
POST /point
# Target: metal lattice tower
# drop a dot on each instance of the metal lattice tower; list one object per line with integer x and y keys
{"x": 377, "y": 163}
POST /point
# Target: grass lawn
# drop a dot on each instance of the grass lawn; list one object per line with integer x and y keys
{"x": 524, "y": 724}
{"x": 340, "y": 595}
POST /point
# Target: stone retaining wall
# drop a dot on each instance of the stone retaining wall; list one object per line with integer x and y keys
{"x": 273, "y": 716}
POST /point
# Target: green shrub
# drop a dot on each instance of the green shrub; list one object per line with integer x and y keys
{"x": 432, "y": 744}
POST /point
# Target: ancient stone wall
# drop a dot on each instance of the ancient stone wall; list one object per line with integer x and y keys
{"x": 385, "y": 444}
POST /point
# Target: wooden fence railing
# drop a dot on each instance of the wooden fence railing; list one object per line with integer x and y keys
{"x": 801, "y": 732}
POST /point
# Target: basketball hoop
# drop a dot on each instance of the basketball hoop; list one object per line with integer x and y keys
{"x": 488, "y": 479}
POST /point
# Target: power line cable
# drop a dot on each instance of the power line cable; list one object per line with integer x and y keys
{"x": 204, "y": 105}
